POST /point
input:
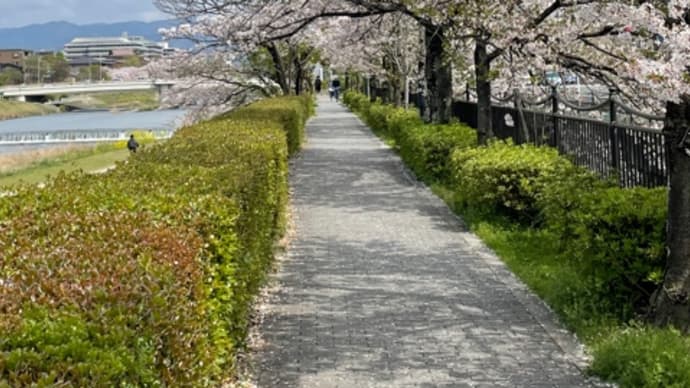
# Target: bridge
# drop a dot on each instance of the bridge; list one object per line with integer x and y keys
{"x": 40, "y": 92}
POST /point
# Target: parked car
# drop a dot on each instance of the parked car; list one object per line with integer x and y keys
{"x": 569, "y": 78}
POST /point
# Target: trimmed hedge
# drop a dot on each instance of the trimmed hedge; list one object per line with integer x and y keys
{"x": 505, "y": 178}
{"x": 291, "y": 112}
{"x": 427, "y": 148}
{"x": 143, "y": 276}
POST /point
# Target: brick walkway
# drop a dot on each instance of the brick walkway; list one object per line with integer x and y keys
{"x": 384, "y": 287}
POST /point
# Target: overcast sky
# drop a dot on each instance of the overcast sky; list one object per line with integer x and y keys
{"x": 17, "y": 13}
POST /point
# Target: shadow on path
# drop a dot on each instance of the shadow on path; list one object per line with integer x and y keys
{"x": 384, "y": 287}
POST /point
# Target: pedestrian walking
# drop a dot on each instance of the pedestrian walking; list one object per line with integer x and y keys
{"x": 132, "y": 144}
{"x": 317, "y": 85}
{"x": 335, "y": 85}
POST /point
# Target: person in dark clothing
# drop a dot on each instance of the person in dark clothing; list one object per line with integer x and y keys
{"x": 317, "y": 85}
{"x": 132, "y": 144}
{"x": 335, "y": 85}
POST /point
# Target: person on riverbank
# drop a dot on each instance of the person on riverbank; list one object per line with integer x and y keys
{"x": 132, "y": 144}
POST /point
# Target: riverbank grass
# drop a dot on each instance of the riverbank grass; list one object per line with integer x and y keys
{"x": 86, "y": 160}
{"x": 136, "y": 100}
{"x": 16, "y": 109}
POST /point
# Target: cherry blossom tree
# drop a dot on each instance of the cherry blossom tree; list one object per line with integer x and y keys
{"x": 268, "y": 42}
{"x": 643, "y": 50}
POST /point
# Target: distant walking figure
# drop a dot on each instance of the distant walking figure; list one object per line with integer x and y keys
{"x": 132, "y": 144}
{"x": 317, "y": 85}
{"x": 335, "y": 87}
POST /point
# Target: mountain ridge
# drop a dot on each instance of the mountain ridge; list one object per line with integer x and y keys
{"x": 52, "y": 36}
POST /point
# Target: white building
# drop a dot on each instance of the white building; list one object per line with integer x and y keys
{"x": 110, "y": 49}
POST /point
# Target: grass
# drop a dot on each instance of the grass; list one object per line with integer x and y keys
{"x": 632, "y": 354}
{"x": 89, "y": 161}
{"x": 136, "y": 100}
{"x": 17, "y": 109}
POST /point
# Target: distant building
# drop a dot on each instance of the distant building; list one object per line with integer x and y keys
{"x": 110, "y": 50}
{"x": 13, "y": 58}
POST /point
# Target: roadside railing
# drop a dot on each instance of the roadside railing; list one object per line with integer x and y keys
{"x": 634, "y": 154}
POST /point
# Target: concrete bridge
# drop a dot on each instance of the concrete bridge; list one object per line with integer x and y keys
{"x": 39, "y": 93}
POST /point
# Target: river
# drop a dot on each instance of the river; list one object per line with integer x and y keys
{"x": 62, "y": 129}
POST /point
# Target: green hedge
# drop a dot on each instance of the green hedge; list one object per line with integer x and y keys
{"x": 505, "y": 178}
{"x": 616, "y": 238}
{"x": 291, "y": 112}
{"x": 143, "y": 276}
{"x": 427, "y": 148}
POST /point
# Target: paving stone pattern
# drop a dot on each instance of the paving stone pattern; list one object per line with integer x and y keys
{"x": 384, "y": 287}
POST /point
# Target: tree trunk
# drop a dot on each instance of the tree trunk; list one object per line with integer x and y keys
{"x": 299, "y": 73}
{"x": 671, "y": 304}
{"x": 439, "y": 78}
{"x": 279, "y": 74}
{"x": 482, "y": 66}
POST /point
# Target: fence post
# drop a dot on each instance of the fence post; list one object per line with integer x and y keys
{"x": 519, "y": 121}
{"x": 368, "y": 87}
{"x": 613, "y": 138}
{"x": 554, "y": 114}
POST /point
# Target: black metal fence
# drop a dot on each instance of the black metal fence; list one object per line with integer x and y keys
{"x": 636, "y": 155}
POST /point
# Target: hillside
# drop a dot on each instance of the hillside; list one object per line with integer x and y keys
{"x": 53, "y": 35}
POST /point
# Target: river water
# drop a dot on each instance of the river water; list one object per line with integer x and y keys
{"x": 62, "y": 129}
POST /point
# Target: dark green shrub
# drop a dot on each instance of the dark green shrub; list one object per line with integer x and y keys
{"x": 505, "y": 178}
{"x": 617, "y": 238}
{"x": 427, "y": 148}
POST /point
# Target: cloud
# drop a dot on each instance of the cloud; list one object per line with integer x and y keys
{"x": 16, "y": 13}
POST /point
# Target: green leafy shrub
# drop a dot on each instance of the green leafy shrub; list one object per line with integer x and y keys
{"x": 643, "y": 357}
{"x": 427, "y": 148}
{"x": 505, "y": 178}
{"x": 400, "y": 119}
{"x": 135, "y": 282}
{"x": 357, "y": 102}
{"x": 290, "y": 112}
{"x": 377, "y": 116}
{"x": 152, "y": 266}
{"x": 617, "y": 239}
{"x": 562, "y": 197}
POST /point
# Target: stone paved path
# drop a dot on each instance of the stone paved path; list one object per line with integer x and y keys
{"x": 384, "y": 287}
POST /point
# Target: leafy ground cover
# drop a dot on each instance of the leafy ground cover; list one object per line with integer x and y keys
{"x": 591, "y": 250}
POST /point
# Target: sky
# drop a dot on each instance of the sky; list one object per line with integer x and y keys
{"x": 17, "y": 13}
